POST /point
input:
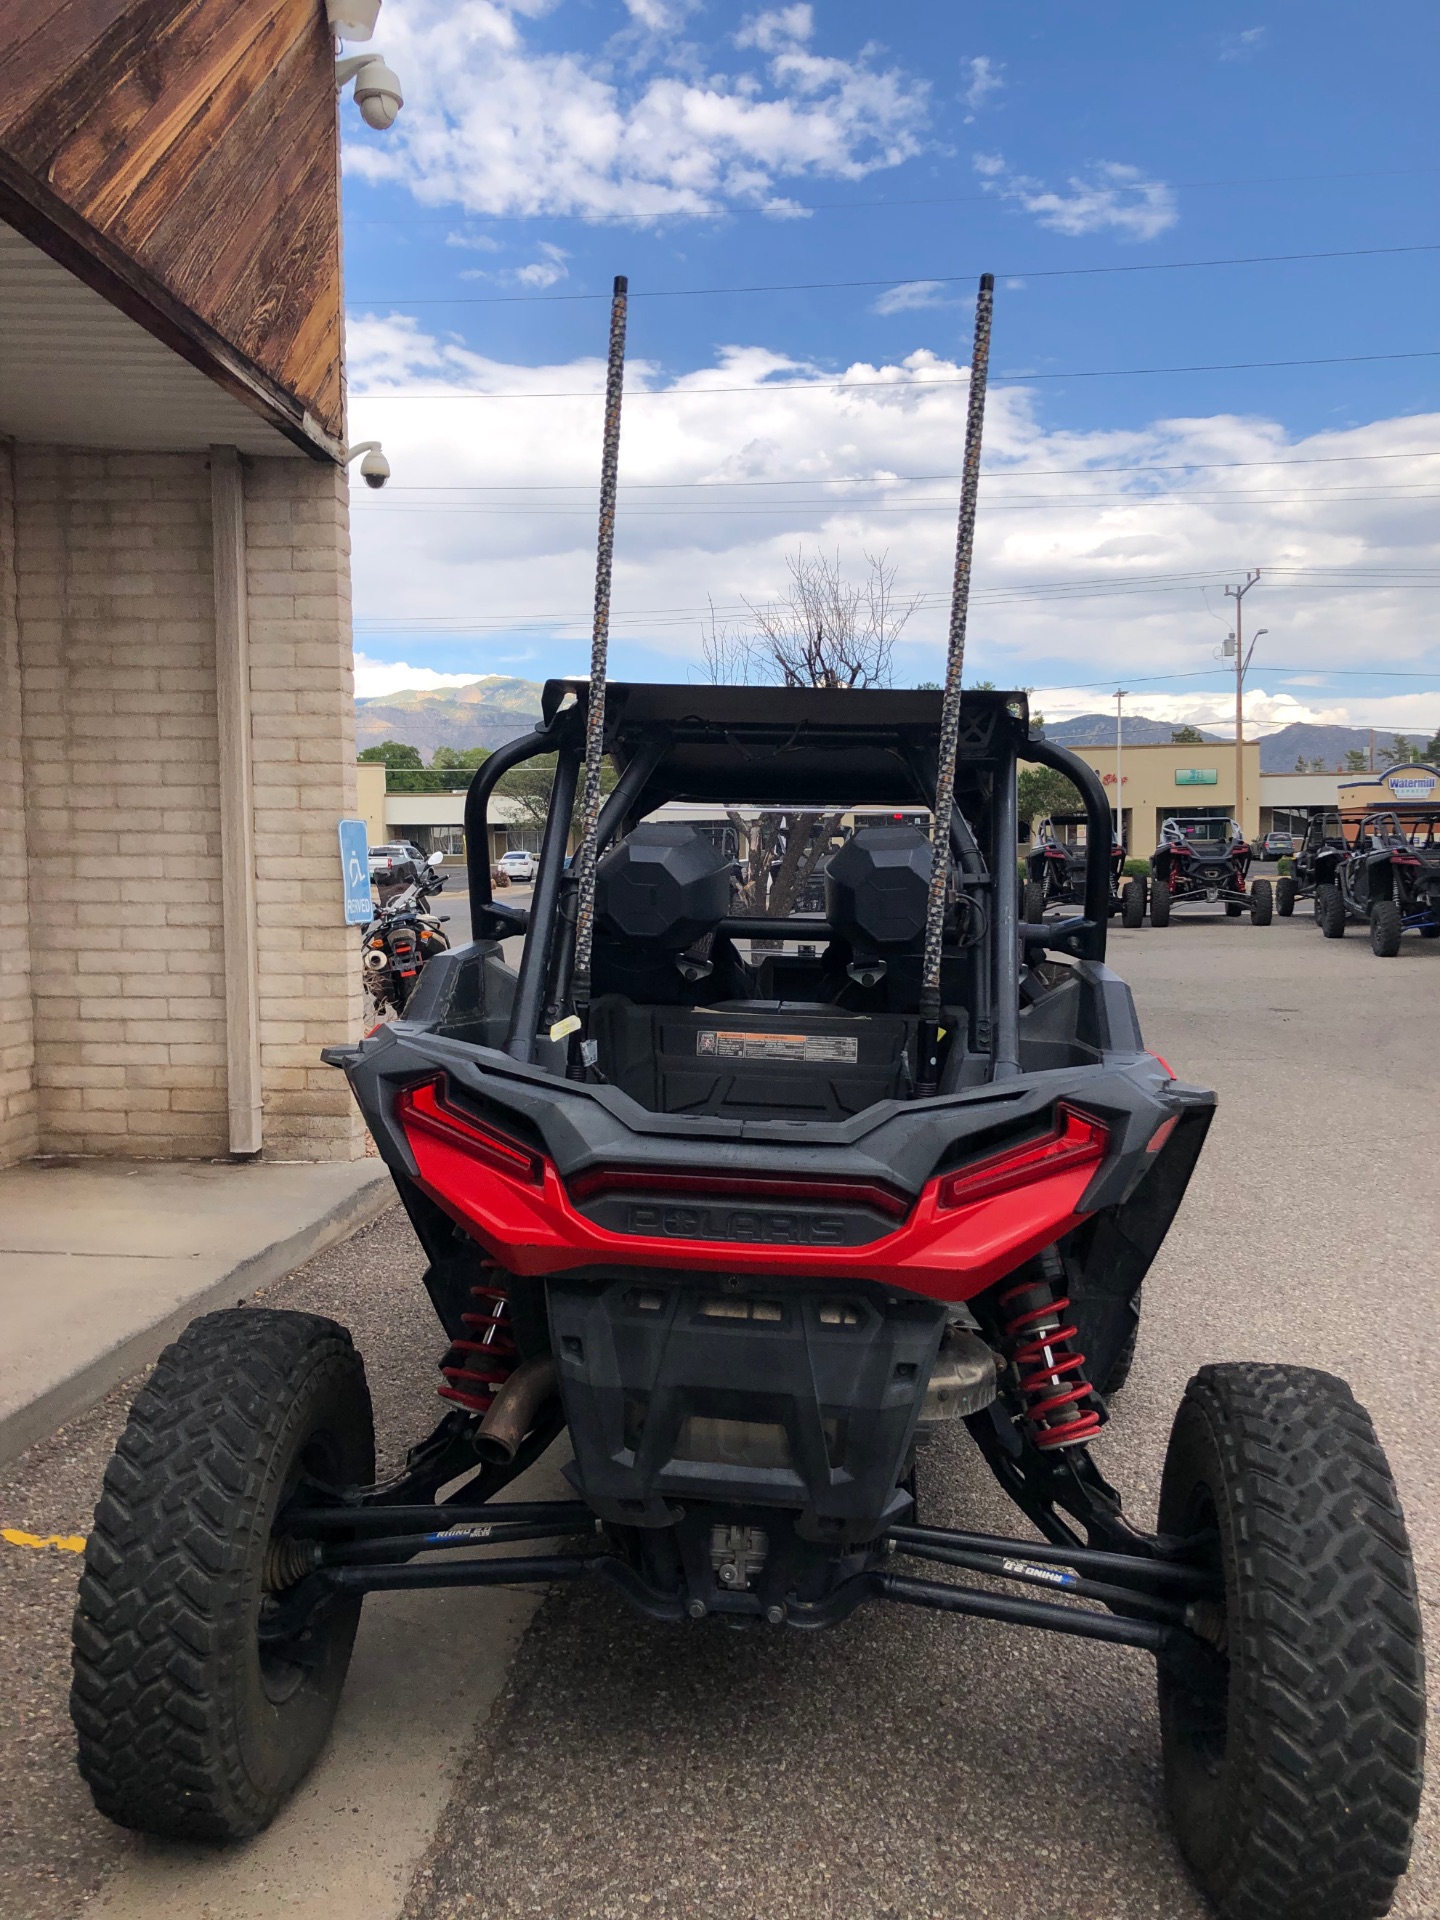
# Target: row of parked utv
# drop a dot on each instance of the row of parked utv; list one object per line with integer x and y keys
{"x": 1204, "y": 861}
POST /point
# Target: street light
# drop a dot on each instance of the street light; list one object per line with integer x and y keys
{"x": 1120, "y": 693}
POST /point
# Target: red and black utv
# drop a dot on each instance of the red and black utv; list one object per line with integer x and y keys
{"x": 1387, "y": 876}
{"x": 1206, "y": 860}
{"x": 748, "y": 1241}
{"x": 1055, "y": 871}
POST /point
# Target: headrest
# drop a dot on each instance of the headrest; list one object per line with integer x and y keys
{"x": 876, "y": 887}
{"x": 664, "y": 885}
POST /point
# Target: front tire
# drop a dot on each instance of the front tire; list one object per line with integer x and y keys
{"x": 1330, "y": 912}
{"x": 1033, "y": 904}
{"x": 1386, "y": 927}
{"x": 1262, "y": 904}
{"x": 1285, "y": 891}
{"x": 188, "y": 1727}
{"x": 1132, "y": 904}
{"x": 1293, "y": 1764}
{"x": 1159, "y": 904}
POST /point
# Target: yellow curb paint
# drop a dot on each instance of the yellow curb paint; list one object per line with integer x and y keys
{"x": 66, "y": 1542}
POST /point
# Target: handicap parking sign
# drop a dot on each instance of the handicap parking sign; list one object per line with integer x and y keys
{"x": 355, "y": 873}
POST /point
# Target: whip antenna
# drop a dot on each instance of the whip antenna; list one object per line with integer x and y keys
{"x": 954, "y": 672}
{"x": 599, "y": 646}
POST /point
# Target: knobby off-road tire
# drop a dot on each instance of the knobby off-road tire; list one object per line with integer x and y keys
{"x": 1293, "y": 1778}
{"x": 1159, "y": 904}
{"x": 1330, "y": 912}
{"x": 1386, "y": 928}
{"x": 1132, "y": 904}
{"x": 1032, "y": 905}
{"x": 1124, "y": 1360}
{"x": 1285, "y": 891}
{"x": 1233, "y": 909}
{"x": 1262, "y": 904}
{"x": 186, "y": 1729}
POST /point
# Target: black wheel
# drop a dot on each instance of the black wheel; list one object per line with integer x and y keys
{"x": 1233, "y": 909}
{"x": 1330, "y": 912}
{"x": 1262, "y": 903}
{"x": 1159, "y": 904}
{"x": 1285, "y": 896}
{"x": 189, "y": 1725}
{"x": 1293, "y": 1760}
{"x": 1132, "y": 904}
{"x": 1125, "y": 1359}
{"x": 1032, "y": 906}
{"x": 1385, "y": 929}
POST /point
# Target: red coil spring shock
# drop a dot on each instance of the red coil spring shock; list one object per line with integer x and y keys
{"x": 1051, "y": 1368}
{"x": 477, "y": 1368}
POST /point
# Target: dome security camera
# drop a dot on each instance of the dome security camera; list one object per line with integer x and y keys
{"x": 374, "y": 468}
{"x": 378, "y": 95}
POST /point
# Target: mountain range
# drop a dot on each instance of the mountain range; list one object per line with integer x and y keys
{"x": 491, "y": 711}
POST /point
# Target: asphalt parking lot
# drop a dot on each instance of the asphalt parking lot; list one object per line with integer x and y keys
{"x": 904, "y": 1764}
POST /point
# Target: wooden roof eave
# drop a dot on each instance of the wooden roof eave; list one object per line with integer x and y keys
{"x": 37, "y": 212}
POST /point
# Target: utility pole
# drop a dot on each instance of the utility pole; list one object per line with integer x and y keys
{"x": 1120, "y": 693}
{"x": 1242, "y": 661}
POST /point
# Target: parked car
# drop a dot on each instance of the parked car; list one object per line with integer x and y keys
{"x": 1275, "y": 846}
{"x": 517, "y": 864}
{"x": 396, "y": 862}
{"x": 1206, "y": 859}
{"x": 1390, "y": 877}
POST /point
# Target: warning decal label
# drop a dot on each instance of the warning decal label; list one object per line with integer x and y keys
{"x": 778, "y": 1046}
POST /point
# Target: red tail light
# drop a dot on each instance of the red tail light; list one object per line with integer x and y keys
{"x": 1076, "y": 1140}
{"x": 700, "y": 1186}
{"x": 425, "y": 1109}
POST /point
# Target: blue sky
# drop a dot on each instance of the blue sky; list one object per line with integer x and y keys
{"x": 544, "y": 147}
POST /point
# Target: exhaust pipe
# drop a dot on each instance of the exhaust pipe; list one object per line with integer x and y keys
{"x": 513, "y": 1410}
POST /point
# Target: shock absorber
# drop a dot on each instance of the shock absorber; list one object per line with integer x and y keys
{"x": 476, "y": 1368}
{"x": 1062, "y": 1409}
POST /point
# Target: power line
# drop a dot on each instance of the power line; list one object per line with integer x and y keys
{"x": 851, "y": 386}
{"x": 914, "y": 479}
{"x": 893, "y": 280}
{"x": 689, "y": 510}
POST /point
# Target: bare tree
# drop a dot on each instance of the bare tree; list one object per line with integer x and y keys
{"x": 823, "y": 631}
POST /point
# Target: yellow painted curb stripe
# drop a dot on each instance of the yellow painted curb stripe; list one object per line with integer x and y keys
{"x": 66, "y": 1542}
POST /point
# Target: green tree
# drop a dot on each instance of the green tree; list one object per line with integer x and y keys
{"x": 530, "y": 785}
{"x": 1356, "y": 760}
{"x": 1399, "y": 753}
{"x": 1041, "y": 790}
{"x": 1186, "y": 737}
{"x": 394, "y": 753}
{"x": 1431, "y": 751}
{"x": 457, "y": 764}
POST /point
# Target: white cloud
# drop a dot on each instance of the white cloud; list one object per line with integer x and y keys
{"x": 1077, "y": 575}
{"x": 498, "y": 128}
{"x": 784, "y": 27}
{"x": 985, "y": 79}
{"x": 545, "y": 272}
{"x": 376, "y": 677}
{"x": 1242, "y": 46}
{"x": 1113, "y": 197}
{"x": 911, "y": 294}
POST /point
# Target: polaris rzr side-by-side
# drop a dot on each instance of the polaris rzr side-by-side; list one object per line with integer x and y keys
{"x": 1387, "y": 877}
{"x": 1206, "y": 860}
{"x": 1055, "y": 871}
{"x": 1323, "y": 836}
{"x": 748, "y": 1225}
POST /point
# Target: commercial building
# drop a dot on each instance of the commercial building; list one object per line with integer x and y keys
{"x": 176, "y": 720}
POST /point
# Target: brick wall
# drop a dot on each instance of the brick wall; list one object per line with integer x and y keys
{"x": 114, "y": 603}
{"x": 19, "y": 1128}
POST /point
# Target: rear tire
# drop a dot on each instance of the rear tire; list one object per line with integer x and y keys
{"x": 1159, "y": 904}
{"x": 1132, "y": 904}
{"x": 1262, "y": 904}
{"x": 1032, "y": 906}
{"x": 187, "y": 1728}
{"x": 1385, "y": 929}
{"x": 1293, "y": 1767}
{"x": 1124, "y": 1360}
{"x": 1285, "y": 896}
{"x": 1330, "y": 912}
{"x": 1233, "y": 909}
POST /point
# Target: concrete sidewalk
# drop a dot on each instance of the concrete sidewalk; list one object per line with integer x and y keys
{"x": 102, "y": 1263}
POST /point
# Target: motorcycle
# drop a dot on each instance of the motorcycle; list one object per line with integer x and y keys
{"x": 402, "y": 937}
